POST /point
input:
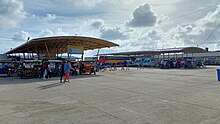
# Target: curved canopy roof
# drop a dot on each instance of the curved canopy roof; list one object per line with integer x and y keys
{"x": 58, "y": 44}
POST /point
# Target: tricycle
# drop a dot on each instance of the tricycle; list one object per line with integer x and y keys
{"x": 87, "y": 67}
{"x": 6, "y": 67}
{"x": 29, "y": 68}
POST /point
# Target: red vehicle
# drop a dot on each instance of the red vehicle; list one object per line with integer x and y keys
{"x": 87, "y": 67}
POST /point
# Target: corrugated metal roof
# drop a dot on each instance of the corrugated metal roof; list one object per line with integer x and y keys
{"x": 161, "y": 51}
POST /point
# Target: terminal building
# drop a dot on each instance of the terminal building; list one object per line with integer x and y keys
{"x": 193, "y": 53}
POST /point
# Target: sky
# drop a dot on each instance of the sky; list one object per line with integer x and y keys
{"x": 133, "y": 24}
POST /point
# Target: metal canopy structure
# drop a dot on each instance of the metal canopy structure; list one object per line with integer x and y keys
{"x": 58, "y": 44}
{"x": 161, "y": 51}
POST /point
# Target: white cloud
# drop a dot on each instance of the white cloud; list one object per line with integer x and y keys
{"x": 192, "y": 34}
{"x": 197, "y": 33}
{"x": 107, "y": 19}
{"x": 11, "y": 13}
{"x": 88, "y": 3}
{"x": 112, "y": 34}
{"x": 151, "y": 40}
{"x": 162, "y": 19}
{"x": 46, "y": 32}
{"x": 97, "y": 23}
{"x": 48, "y": 17}
{"x": 89, "y": 27}
{"x": 21, "y": 36}
{"x": 143, "y": 16}
{"x": 60, "y": 32}
{"x": 56, "y": 32}
{"x": 100, "y": 3}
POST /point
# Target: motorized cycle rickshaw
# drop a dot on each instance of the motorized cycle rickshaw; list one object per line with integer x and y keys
{"x": 54, "y": 65}
{"x": 87, "y": 67}
{"x": 29, "y": 68}
{"x": 6, "y": 67}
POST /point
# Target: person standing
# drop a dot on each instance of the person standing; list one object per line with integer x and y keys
{"x": 23, "y": 68}
{"x": 38, "y": 67}
{"x": 48, "y": 70}
{"x": 67, "y": 67}
{"x": 45, "y": 70}
{"x": 62, "y": 71}
{"x": 41, "y": 71}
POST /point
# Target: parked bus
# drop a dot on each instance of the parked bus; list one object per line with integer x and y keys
{"x": 118, "y": 60}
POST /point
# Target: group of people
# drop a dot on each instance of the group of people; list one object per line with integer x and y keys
{"x": 64, "y": 69}
{"x": 44, "y": 71}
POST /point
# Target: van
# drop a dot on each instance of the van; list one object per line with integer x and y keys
{"x": 138, "y": 62}
{"x": 149, "y": 62}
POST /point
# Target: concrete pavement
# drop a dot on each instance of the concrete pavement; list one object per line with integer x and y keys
{"x": 145, "y": 96}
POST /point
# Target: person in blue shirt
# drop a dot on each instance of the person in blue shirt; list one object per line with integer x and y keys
{"x": 67, "y": 67}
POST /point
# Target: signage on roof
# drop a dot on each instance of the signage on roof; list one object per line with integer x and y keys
{"x": 72, "y": 49}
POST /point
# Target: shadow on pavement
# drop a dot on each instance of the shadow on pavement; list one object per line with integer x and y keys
{"x": 85, "y": 76}
{"x": 44, "y": 87}
{"x": 5, "y": 80}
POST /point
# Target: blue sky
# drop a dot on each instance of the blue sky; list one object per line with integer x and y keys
{"x": 133, "y": 24}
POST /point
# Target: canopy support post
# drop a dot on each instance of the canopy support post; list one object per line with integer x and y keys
{"x": 82, "y": 56}
{"x": 82, "y": 51}
{"x": 47, "y": 50}
{"x": 36, "y": 52}
{"x": 96, "y": 59}
{"x": 57, "y": 52}
{"x": 24, "y": 55}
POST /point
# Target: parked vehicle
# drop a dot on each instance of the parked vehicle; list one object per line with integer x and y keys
{"x": 29, "y": 68}
{"x": 149, "y": 62}
{"x": 54, "y": 65}
{"x": 190, "y": 63}
{"x": 117, "y": 60}
{"x": 200, "y": 64}
{"x": 87, "y": 67}
{"x": 102, "y": 66}
{"x": 176, "y": 64}
{"x": 138, "y": 62}
{"x": 166, "y": 64}
{"x": 6, "y": 67}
